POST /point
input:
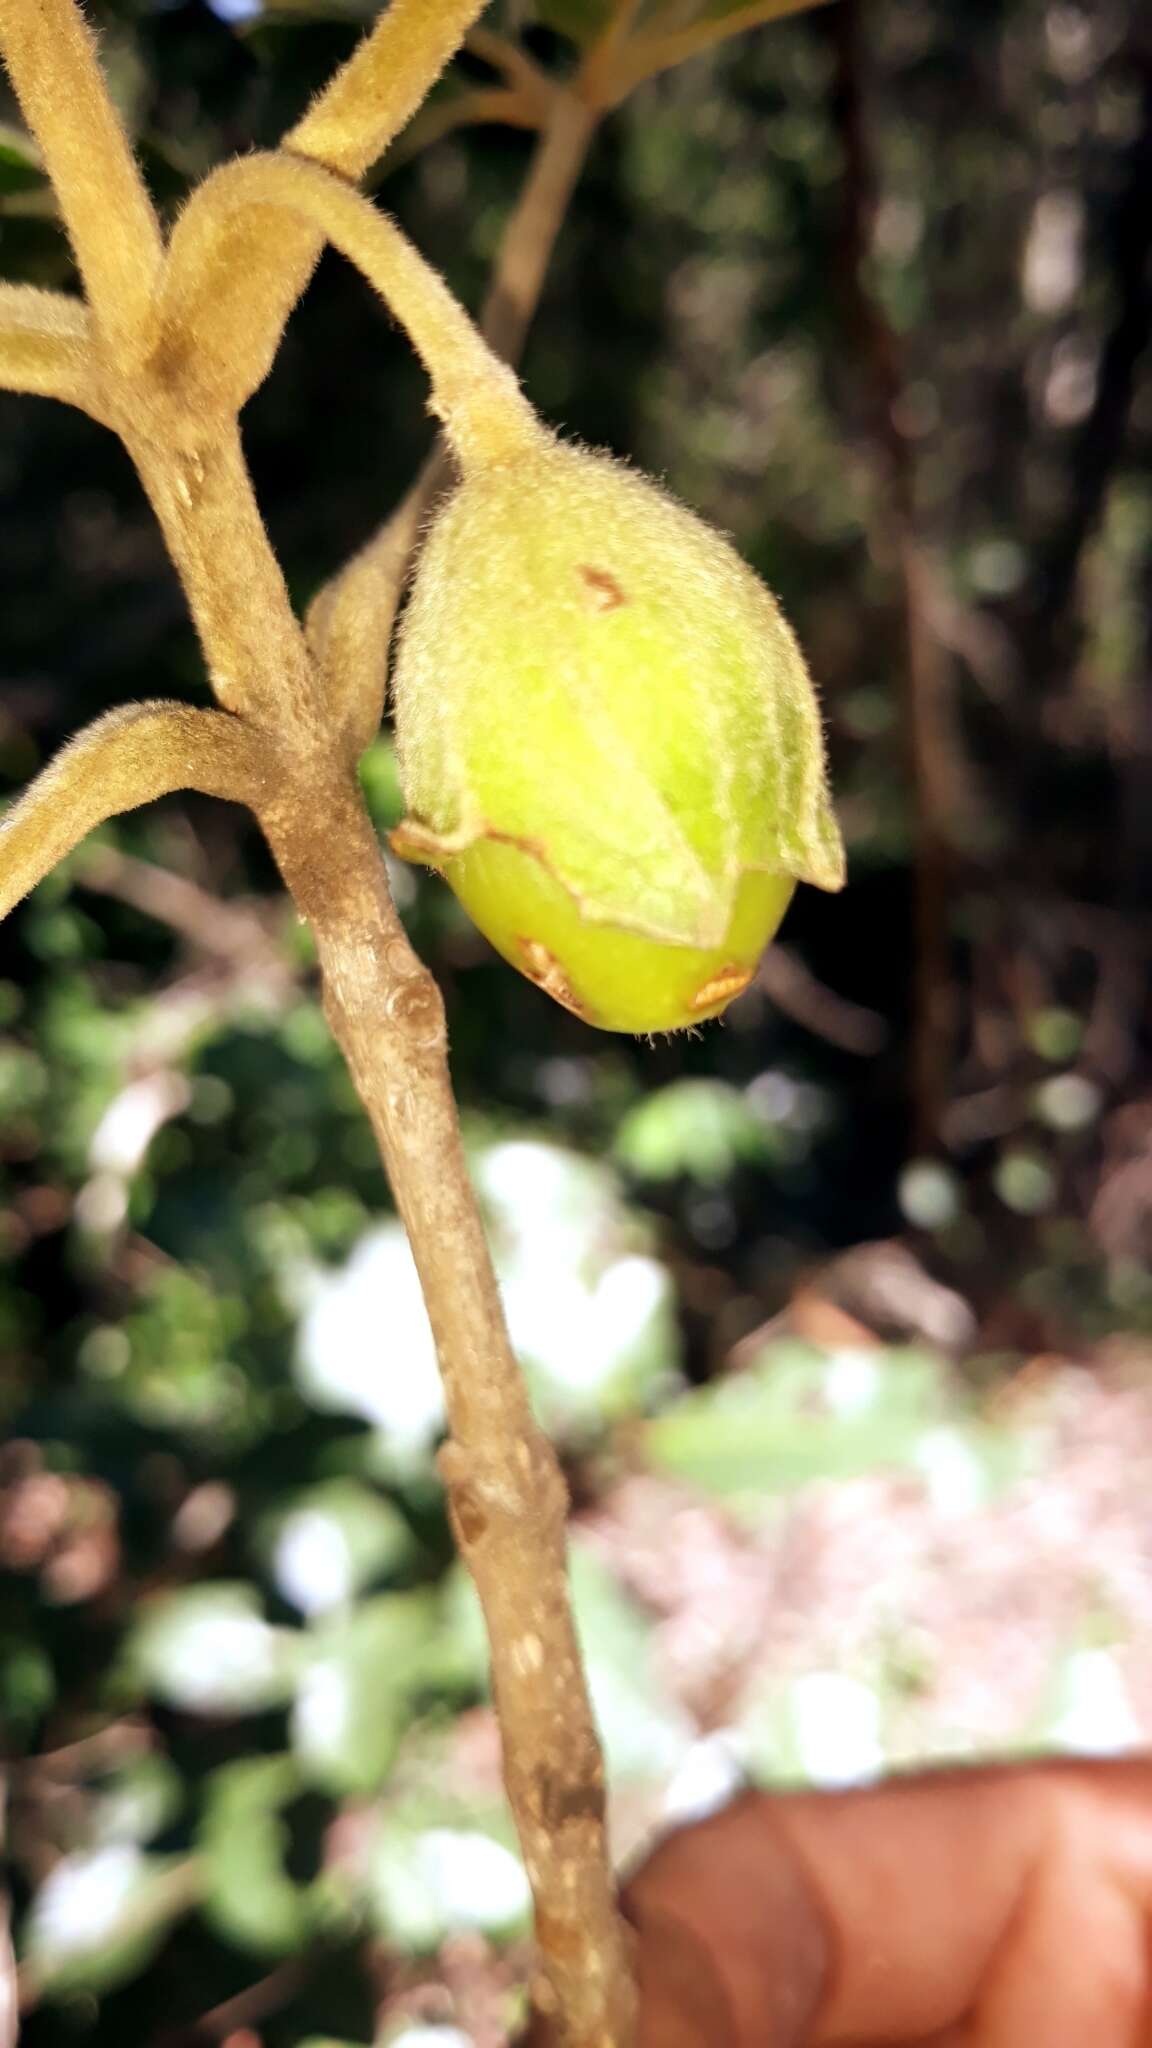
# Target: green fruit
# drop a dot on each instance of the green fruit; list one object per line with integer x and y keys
{"x": 608, "y": 739}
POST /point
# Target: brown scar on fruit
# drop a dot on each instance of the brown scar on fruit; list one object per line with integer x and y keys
{"x": 545, "y": 970}
{"x": 605, "y": 593}
{"x": 722, "y": 987}
{"x": 413, "y": 841}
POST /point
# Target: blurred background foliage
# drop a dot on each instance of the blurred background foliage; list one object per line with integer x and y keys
{"x": 840, "y": 1310}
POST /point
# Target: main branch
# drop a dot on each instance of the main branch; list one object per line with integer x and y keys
{"x": 505, "y": 1491}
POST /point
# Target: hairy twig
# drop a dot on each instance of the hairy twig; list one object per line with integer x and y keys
{"x": 647, "y": 55}
{"x": 512, "y": 61}
{"x": 475, "y": 107}
{"x": 530, "y": 237}
{"x": 51, "y": 61}
{"x": 270, "y": 258}
{"x": 127, "y": 758}
{"x": 479, "y": 403}
{"x": 371, "y": 98}
{"x": 46, "y": 346}
{"x": 505, "y": 1491}
{"x": 350, "y": 619}
{"x": 202, "y": 495}
{"x": 793, "y": 988}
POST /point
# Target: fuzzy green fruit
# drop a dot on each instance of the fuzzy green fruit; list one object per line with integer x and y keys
{"x": 608, "y": 739}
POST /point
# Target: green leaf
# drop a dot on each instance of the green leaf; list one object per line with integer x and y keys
{"x": 243, "y": 1843}
{"x": 581, "y": 21}
{"x": 801, "y": 1414}
{"x": 380, "y": 782}
{"x": 210, "y": 1651}
{"x": 356, "y": 1687}
{"x": 138, "y": 1801}
{"x": 331, "y": 1541}
{"x": 20, "y": 167}
{"x": 644, "y": 1732}
{"x": 427, "y": 1883}
{"x": 705, "y": 1129}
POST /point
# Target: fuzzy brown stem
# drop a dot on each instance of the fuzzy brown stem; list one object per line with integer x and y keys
{"x": 129, "y": 757}
{"x": 202, "y": 495}
{"x": 506, "y": 1493}
{"x": 350, "y": 621}
{"x": 46, "y": 346}
{"x": 371, "y": 98}
{"x": 505, "y": 1490}
{"x": 660, "y": 51}
{"x": 52, "y": 63}
{"x": 484, "y": 412}
{"x": 530, "y": 236}
{"x": 270, "y": 258}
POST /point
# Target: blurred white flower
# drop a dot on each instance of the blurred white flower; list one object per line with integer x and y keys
{"x": 312, "y": 1562}
{"x": 478, "y": 1882}
{"x": 837, "y": 1728}
{"x": 851, "y": 1381}
{"x": 80, "y": 1905}
{"x": 321, "y": 1710}
{"x": 445, "y": 1879}
{"x": 581, "y": 1330}
{"x": 223, "y": 1660}
{"x": 365, "y": 1345}
{"x": 211, "y": 1651}
{"x": 952, "y": 1472}
{"x": 1098, "y": 1717}
{"x": 584, "y": 1314}
{"x": 709, "y": 1776}
{"x": 430, "y": 2037}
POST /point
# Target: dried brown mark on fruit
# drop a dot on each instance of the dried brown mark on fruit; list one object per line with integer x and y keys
{"x": 604, "y": 592}
{"x": 545, "y": 970}
{"x": 722, "y": 987}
